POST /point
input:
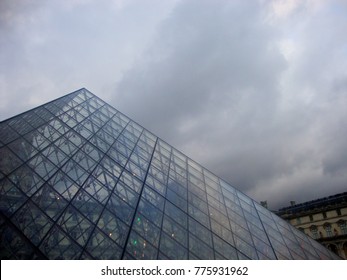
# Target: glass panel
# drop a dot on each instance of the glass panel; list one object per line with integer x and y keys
{"x": 236, "y": 218}
{"x": 172, "y": 249}
{"x": 156, "y": 185}
{"x": 82, "y": 130}
{"x": 32, "y": 222}
{"x": 225, "y": 249}
{"x": 145, "y": 156}
{"x": 11, "y": 198}
{"x": 153, "y": 197}
{"x": 64, "y": 185}
{"x": 195, "y": 165}
{"x": 200, "y": 231}
{"x": 199, "y": 216}
{"x": 76, "y": 225}
{"x": 59, "y": 126}
{"x": 176, "y": 214}
{"x": 8, "y": 160}
{"x": 280, "y": 249}
{"x": 55, "y": 155}
{"x": 42, "y": 166}
{"x": 99, "y": 143}
{"x": 119, "y": 147}
{"x": 101, "y": 247}
{"x": 146, "y": 229}
{"x": 177, "y": 170}
{"x": 126, "y": 142}
{"x": 131, "y": 181}
{"x": 105, "y": 137}
{"x": 197, "y": 191}
{"x": 65, "y": 145}
{"x": 43, "y": 113}
{"x": 33, "y": 119}
{"x": 219, "y": 217}
{"x": 139, "y": 161}
{"x": 26, "y": 180}
{"x": 51, "y": 202}
{"x": 259, "y": 233}
{"x": 158, "y": 174}
{"x": 243, "y": 233}
{"x": 114, "y": 228}
{"x": 75, "y": 172}
{"x": 176, "y": 200}
{"x": 135, "y": 170}
{"x": 84, "y": 161}
{"x": 200, "y": 249}
{"x": 117, "y": 156}
{"x": 126, "y": 194}
{"x": 121, "y": 209}
{"x": 264, "y": 248}
{"x": 198, "y": 203}
{"x": 175, "y": 231}
{"x": 19, "y": 125}
{"x": 150, "y": 212}
{"x": 253, "y": 219}
{"x": 177, "y": 188}
{"x": 140, "y": 248}
{"x": 179, "y": 158}
{"x": 87, "y": 205}
{"x": 104, "y": 177}
{"x": 245, "y": 248}
{"x": 58, "y": 246}
{"x": 14, "y": 246}
{"x": 222, "y": 232}
{"x": 96, "y": 120}
{"x": 22, "y": 149}
{"x": 211, "y": 180}
{"x": 217, "y": 205}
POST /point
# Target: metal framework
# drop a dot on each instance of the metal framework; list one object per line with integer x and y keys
{"x": 80, "y": 180}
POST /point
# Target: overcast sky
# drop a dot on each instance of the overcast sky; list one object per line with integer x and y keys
{"x": 255, "y": 91}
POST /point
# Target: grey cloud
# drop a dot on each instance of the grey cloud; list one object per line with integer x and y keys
{"x": 209, "y": 77}
{"x": 215, "y": 84}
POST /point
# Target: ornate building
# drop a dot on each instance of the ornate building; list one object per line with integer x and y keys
{"x": 80, "y": 180}
{"x": 324, "y": 220}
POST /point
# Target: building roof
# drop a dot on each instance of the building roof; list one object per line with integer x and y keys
{"x": 330, "y": 202}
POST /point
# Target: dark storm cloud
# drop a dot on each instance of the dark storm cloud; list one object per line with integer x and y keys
{"x": 216, "y": 84}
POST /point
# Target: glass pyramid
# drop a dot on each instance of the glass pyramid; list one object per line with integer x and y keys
{"x": 80, "y": 180}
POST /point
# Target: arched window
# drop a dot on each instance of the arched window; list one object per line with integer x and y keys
{"x": 314, "y": 232}
{"x": 328, "y": 230}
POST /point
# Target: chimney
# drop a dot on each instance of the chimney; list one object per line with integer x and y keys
{"x": 263, "y": 203}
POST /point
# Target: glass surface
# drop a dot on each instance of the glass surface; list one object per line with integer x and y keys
{"x": 80, "y": 180}
{"x": 172, "y": 249}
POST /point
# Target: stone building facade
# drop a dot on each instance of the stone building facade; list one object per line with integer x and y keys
{"x": 325, "y": 220}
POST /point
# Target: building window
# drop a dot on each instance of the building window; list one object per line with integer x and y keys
{"x": 338, "y": 212}
{"x": 311, "y": 218}
{"x": 298, "y": 221}
{"x": 343, "y": 226}
{"x": 324, "y": 215}
{"x": 327, "y": 228}
{"x": 314, "y": 232}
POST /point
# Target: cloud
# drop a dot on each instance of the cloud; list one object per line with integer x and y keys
{"x": 57, "y": 47}
{"x": 247, "y": 97}
{"x": 253, "y": 90}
